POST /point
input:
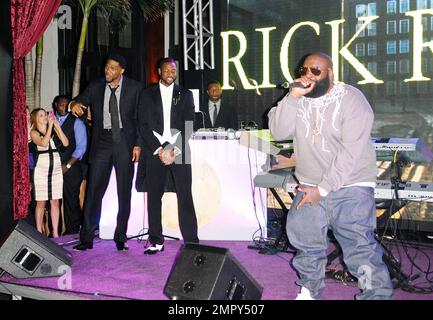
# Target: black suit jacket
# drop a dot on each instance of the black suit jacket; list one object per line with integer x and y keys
{"x": 150, "y": 118}
{"x": 93, "y": 95}
{"x": 227, "y": 117}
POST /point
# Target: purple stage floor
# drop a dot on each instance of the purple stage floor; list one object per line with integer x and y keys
{"x": 105, "y": 273}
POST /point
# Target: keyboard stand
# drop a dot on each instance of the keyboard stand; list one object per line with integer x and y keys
{"x": 283, "y": 219}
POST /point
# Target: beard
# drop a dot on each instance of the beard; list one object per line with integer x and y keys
{"x": 320, "y": 89}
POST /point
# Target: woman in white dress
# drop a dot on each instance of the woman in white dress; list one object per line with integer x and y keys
{"x": 48, "y": 177}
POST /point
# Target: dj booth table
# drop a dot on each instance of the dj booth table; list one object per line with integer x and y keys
{"x": 227, "y": 204}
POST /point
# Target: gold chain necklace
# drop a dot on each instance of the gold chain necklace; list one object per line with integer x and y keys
{"x": 315, "y": 130}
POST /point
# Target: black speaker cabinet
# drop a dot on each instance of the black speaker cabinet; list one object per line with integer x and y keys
{"x": 26, "y": 253}
{"x": 209, "y": 273}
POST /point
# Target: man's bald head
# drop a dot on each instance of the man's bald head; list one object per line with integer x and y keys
{"x": 322, "y": 56}
{"x": 317, "y": 68}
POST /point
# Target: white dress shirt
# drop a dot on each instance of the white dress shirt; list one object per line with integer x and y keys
{"x": 166, "y": 96}
{"x": 212, "y": 108}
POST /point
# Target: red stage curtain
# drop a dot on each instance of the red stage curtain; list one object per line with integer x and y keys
{"x": 154, "y": 32}
{"x": 29, "y": 21}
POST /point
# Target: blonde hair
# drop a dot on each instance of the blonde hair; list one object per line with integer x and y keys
{"x": 33, "y": 116}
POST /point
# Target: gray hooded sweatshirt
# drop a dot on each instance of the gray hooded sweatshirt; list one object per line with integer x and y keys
{"x": 331, "y": 137}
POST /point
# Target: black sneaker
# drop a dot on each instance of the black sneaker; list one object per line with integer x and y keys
{"x": 121, "y": 246}
{"x": 83, "y": 247}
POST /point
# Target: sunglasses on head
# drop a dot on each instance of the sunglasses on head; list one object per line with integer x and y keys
{"x": 314, "y": 70}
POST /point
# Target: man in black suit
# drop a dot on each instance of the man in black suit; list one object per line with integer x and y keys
{"x": 216, "y": 113}
{"x": 114, "y": 142}
{"x": 165, "y": 116}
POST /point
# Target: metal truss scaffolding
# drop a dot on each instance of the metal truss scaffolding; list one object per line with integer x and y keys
{"x": 198, "y": 34}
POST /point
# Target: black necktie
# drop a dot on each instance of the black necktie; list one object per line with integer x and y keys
{"x": 215, "y": 114}
{"x": 114, "y": 113}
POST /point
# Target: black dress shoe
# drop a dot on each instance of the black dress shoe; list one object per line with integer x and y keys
{"x": 154, "y": 249}
{"x": 121, "y": 246}
{"x": 83, "y": 247}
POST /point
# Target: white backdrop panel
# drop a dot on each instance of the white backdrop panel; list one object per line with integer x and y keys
{"x": 223, "y": 194}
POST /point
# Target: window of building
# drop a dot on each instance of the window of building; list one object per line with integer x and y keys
{"x": 404, "y": 46}
{"x": 425, "y": 23}
{"x": 360, "y": 50}
{"x": 391, "y": 87}
{"x": 372, "y": 67}
{"x": 391, "y": 47}
{"x": 391, "y": 27}
{"x": 371, "y": 9}
{"x": 404, "y": 66}
{"x": 391, "y": 7}
{"x": 424, "y": 66}
{"x": 423, "y": 87}
{"x": 427, "y": 39}
{"x": 391, "y": 67}
{"x": 404, "y": 26}
{"x": 404, "y": 88}
{"x": 404, "y": 6}
{"x": 371, "y": 29}
{"x": 362, "y": 33}
{"x": 372, "y": 48}
{"x": 422, "y": 4}
{"x": 361, "y": 10}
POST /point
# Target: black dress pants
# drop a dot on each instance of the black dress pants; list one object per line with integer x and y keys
{"x": 108, "y": 154}
{"x": 71, "y": 198}
{"x": 156, "y": 175}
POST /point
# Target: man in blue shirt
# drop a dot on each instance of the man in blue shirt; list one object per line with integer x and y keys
{"x": 72, "y": 168}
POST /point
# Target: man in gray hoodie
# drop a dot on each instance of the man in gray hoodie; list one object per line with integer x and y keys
{"x": 331, "y": 123}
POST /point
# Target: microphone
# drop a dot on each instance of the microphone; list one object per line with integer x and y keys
{"x": 289, "y": 85}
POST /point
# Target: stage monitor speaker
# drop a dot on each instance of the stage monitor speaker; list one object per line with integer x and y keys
{"x": 26, "y": 253}
{"x": 209, "y": 273}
